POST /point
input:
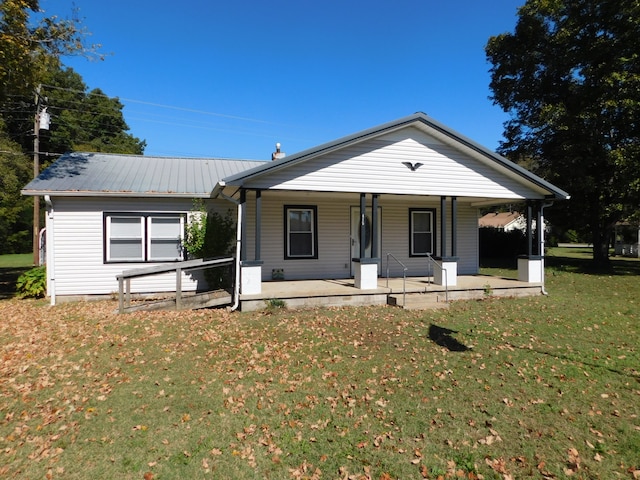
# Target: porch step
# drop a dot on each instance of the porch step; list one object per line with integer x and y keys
{"x": 419, "y": 301}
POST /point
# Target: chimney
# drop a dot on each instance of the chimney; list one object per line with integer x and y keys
{"x": 277, "y": 154}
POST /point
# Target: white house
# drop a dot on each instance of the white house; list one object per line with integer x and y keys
{"x": 411, "y": 188}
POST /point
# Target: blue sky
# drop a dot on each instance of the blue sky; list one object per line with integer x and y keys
{"x": 230, "y": 79}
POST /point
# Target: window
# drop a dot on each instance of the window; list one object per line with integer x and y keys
{"x": 144, "y": 238}
{"x": 421, "y": 233}
{"x": 301, "y": 232}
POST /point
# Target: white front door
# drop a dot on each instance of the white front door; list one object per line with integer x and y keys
{"x": 355, "y": 234}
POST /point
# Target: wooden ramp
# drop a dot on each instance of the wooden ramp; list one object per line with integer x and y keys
{"x": 181, "y": 300}
{"x": 194, "y": 301}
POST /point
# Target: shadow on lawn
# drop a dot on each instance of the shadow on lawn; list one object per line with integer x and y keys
{"x": 8, "y": 277}
{"x": 577, "y": 260}
{"x": 442, "y": 336}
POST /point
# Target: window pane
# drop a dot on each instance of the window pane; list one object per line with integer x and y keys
{"x": 301, "y": 244}
{"x": 165, "y": 235}
{"x": 300, "y": 220}
{"x": 165, "y": 250}
{"x": 421, "y": 222}
{"x": 125, "y": 242}
{"x": 126, "y": 249}
{"x": 123, "y": 227}
{"x": 165, "y": 227}
{"x": 421, "y": 243}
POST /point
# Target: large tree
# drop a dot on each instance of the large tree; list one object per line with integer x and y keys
{"x": 569, "y": 76}
{"x": 32, "y": 48}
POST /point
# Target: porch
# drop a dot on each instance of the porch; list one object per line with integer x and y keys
{"x": 412, "y": 292}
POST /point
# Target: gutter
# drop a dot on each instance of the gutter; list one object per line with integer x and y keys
{"x": 50, "y": 257}
{"x": 236, "y": 286}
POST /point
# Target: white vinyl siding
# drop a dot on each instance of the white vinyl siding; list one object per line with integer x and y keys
{"x": 79, "y": 256}
{"x": 377, "y": 165}
{"x": 334, "y": 242}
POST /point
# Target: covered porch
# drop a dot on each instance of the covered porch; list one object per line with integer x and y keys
{"x": 411, "y": 293}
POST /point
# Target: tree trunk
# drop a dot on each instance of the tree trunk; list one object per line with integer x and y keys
{"x": 600, "y": 238}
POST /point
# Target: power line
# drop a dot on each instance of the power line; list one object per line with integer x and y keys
{"x": 160, "y": 105}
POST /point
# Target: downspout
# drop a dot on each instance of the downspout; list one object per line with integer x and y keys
{"x": 236, "y": 287}
{"x": 542, "y": 256}
{"x": 50, "y": 257}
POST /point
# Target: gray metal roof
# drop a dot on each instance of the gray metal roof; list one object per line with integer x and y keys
{"x": 106, "y": 174}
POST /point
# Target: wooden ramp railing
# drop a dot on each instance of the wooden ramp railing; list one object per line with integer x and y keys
{"x": 209, "y": 298}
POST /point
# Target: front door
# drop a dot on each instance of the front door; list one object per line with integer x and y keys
{"x": 355, "y": 234}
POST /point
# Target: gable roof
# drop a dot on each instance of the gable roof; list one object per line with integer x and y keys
{"x": 105, "y": 174}
{"x": 418, "y": 120}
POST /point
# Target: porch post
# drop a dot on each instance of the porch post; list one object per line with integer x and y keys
{"x": 539, "y": 230}
{"x": 363, "y": 230}
{"x": 529, "y": 230}
{"x": 366, "y": 269}
{"x": 258, "y": 223}
{"x": 443, "y": 227}
{"x": 250, "y": 271}
{"x": 530, "y": 265}
{"x": 446, "y": 272}
{"x": 454, "y": 226}
{"x": 243, "y": 221}
{"x": 374, "y": 227}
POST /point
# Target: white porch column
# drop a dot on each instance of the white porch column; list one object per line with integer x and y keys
{"x": 447, "y": 275}
{"x": 366, "y": 273}
{"x": 530, "y": 268}
{"x": 250, "y": 278}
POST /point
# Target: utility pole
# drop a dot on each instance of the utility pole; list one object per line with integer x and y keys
{"x": 40, "y": 121}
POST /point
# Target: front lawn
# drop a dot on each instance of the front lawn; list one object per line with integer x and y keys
{"x": 542, "y": 387}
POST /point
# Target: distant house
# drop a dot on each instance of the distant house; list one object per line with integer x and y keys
{"x": 504, "y": 221}
{"x": 411, "y": 189}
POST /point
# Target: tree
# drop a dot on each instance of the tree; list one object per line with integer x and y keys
{"x": 569, "y": 76}
{"x": 15, "y": 211}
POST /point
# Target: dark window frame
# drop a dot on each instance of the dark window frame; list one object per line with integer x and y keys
{"x": 314, "y": 233}
{"x": 432, "y": 212}
{"x": 146, "y": 250}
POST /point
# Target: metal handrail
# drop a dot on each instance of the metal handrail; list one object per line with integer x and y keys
{"x": 404, "y": 276}
{"x": 443, "y": 270}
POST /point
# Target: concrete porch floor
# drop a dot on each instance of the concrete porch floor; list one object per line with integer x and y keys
{"x": 342, "y": 292}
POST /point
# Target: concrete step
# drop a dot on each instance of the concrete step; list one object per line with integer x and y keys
{"x": 419, "y": 301}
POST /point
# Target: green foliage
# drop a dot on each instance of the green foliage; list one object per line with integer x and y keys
{"x": 15, "y": 211}
{"x": 32, "y": 283}
{"x": 210, "y": 235}
{"x": 569, "y": 76}
{"x": 195, "y": 230}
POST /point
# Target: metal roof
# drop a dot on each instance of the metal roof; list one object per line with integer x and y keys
{"x": 106, "y": 174}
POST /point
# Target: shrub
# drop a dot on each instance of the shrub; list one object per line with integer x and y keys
{"x": 32, "y": 283}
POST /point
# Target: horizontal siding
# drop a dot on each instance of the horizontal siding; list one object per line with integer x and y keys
{"x": 79, "y": 242}
{"x": 376, "y": 165}
{"x": 334, "y": 226}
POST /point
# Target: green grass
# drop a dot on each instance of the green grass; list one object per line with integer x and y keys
{"x": 16, "y": 260}
{"x": 549, "y": 388}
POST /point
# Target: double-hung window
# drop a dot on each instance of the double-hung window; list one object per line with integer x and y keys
{"x": 421, "y": 235}
{"x": 301, "y": 232}
{"x": 144, "y": 238}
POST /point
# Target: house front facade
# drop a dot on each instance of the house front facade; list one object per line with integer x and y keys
{"x": 404, "y": 197}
